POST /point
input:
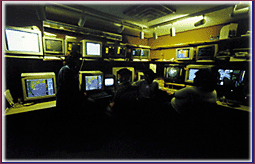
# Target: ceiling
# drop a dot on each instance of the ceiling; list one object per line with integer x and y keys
{"x": 132, "y": 17}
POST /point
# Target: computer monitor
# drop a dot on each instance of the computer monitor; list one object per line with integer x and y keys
{"x": 145, "y": 53}
{"x": 115, "y": 71}
{"x": 37, "y": 86}
{"x": 206, "y": 53}
{"x": 92, "y": 49}
{"x": 115, "y": 51}
{"x": 91, "y": 81}
{"x": 192, "y": 69}
{"x": 109, "y": 81}
{"x": 53, "y": 46}
{"x": 173, "y": 73}
{"x": 69, "y": 43}
{"x": 21, "y": 40}
{"x": 140, "y": 76}
{"x": 185, "y": 53}
{"x": 136, "y": 53}
{"x": 231, "y": 77}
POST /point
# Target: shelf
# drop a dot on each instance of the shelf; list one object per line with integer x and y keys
{"x": 196, "y": 43}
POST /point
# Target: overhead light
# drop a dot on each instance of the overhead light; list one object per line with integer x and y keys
{"x": 200, "y": 22}
{"x": 240, "y": 10}
{"x": 82, "y": 21}
{"x": 155, "y": 35}
{"x": 142, "y": 34}
{"x": 172, "y": 31}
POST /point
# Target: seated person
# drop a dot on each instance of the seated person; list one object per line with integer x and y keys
{"x": 147, "y": 88}
{"x": 125, "y": 92}
{"x": 202, "y": 94}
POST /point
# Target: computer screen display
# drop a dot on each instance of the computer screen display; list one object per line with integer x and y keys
{"x": 145, "y": 53}
{"x": 93, "y": 82}
{"x": 93, "y": 48}
{"x": 23, "y": 41}
{"x": 206, "y": 53}
{"x": 231, "y": 77}
{"x": 38, "y": 85}
{"x": 70, "y": 44}
{"x": 173, "y": 74}
{"x": 109, "y": 82}
{"x": 192, "y": 74}
{"x": 53, "y": 45}
{"x": 186, "y": 53}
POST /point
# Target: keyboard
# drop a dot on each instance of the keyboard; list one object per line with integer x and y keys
{"x": 99, "y": 95}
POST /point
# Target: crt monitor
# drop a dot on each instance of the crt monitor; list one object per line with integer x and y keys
{"x": 136, "y": 53}
{"x": 145, "y": 53}
{"x": 37, "y": 86}
{"x": 70, "y": 43}
{"x": 206, "y": 53}
{"x": 192, "y": 69}
{"x": 115, "y": 71}
{"x": 173, "y": 73}
{"x": 109, "y": 80}
{"x": 92, "y": 49}
{"x": 186, "y": 53}
{"x": 53, "y": 46}
{"x": 21, "y": 40}
{"x": 91, "y": 81}
{"x": 231, "y": 77}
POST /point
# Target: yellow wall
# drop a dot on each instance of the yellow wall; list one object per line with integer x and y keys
{"x": 198, "y": 35}
{"x": 137, "y": 41}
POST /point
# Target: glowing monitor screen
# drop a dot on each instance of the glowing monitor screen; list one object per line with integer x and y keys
{"x": 22, "y": 41}
{"x": 39, "y": 87}
{"x": 93, "y": 48}
{"x": 183, "y": 53}
{"x": 93, "y": 82}
{"x": 231, "y": 77}
{"x": 109, "y": 82}
{"x": 172, "y": 72}
{"x": 192, "y": 74}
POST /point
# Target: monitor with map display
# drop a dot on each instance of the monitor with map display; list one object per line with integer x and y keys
{"x": 91, "y": 80}
{"x": 38, "y": 85}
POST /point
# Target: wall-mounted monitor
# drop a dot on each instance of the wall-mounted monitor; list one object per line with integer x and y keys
{"x": 145, "y": 53}
{"x": 206, "y": 53}
{"x": 192, "y": 69}
{"x": 92, "y": 49}
{"x": 136, "y": 53}
{"x": 115, "y": 71}
{"x": 37, "y": 86}
{"x": 69, "y": 43}
{"x": 173, "y": 73}
{"x": 25, "y": 40}
{"x": 115, "y": 51}
{"x": 185, "y": 53}
{"x": 91, "y": 81}
{"x": 53, "y": 46}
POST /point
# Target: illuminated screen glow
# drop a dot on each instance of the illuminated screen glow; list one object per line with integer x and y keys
{"x": 53, "y": 45}
{"x": 109, "y": 82}
{"x": 93, "y": 48}
{"x": 231, "y": 77}
{"x": 192, "y": 74}
{"x": 39, "y": 87}
{"x": 93, "y": 82}
{"x": 183, "y": 53}
{"x": 22, "y": 41}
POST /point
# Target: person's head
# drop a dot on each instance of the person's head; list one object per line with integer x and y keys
{"x": 124, "y": 75}
{"x": 149, "y": 75}
{"x": 72, "y": 59}
{"x": 206, "y": 79}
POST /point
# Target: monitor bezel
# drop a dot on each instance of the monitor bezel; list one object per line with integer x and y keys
{"x": 139, "y": 75}
{"x": 191, "y": 53}
{"x": 47, "y": 52}
{"x": 30, "y": 29}
{"x": 116, "y": 69}
{"x": 73, "y": 41}
{"x": 147, "y": 57}
{"x": 37, "y": 75}
{"x": 212, "y": 57}
{"x": 84, "y": 49}
{"x": 136, "y": 51}
{"x": 82, "y": 85}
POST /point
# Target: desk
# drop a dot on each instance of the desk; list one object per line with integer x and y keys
{"x": 38, "y": 106}
{"x": 241, "y": 107}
